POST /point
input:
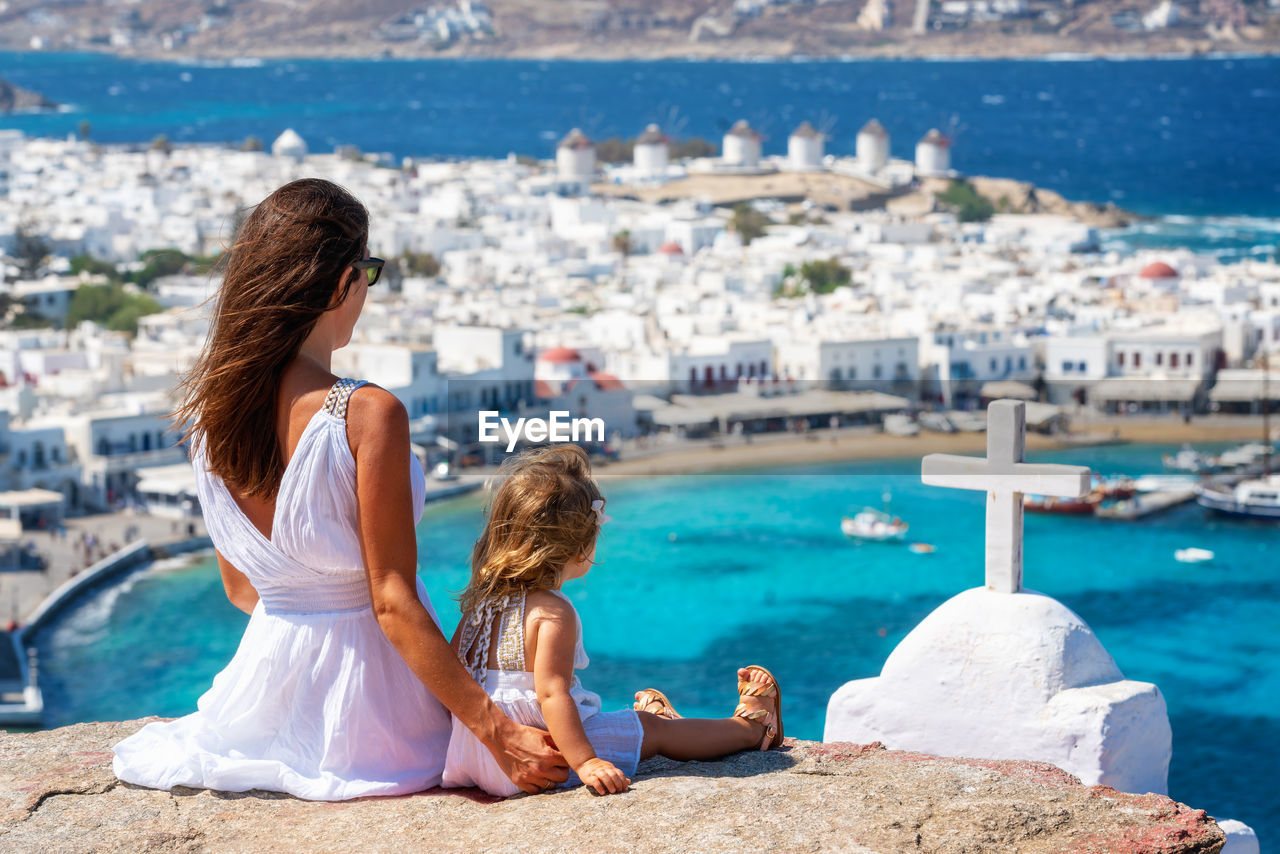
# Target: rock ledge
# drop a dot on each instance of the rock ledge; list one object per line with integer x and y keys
{"x": 57, "y": 793}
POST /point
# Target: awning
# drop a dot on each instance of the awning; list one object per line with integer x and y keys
{"x": 31, "y": 498}
{"x": 1139, "y": 389}
{"x": 1245, "y": 386}
{"x": 1008, "y": 389}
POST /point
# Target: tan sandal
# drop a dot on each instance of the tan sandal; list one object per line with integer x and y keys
{"x": 650, "y": 697}
{"x": 771, "y": 721}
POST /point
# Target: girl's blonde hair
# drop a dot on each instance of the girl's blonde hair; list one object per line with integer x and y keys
{"x": 540, "y": 518}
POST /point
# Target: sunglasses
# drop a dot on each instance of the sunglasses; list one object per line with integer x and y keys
{"x": 372, "y": 268}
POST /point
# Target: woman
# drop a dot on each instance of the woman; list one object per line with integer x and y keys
{"x": 343, "y": 683}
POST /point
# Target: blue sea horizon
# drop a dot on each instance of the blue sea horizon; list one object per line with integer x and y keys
{"x": 1162, "y": 137}
{"x": 694, "y": 582}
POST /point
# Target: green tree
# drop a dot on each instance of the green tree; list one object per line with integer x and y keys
{"x": 157, "y": 263}
{"x": 615, "y": 149}
{"x": 622, "y": 242}
{"x": 823, "y": 277}
{"x": 111, "y": 306}
{"x": 84, "y": 129}
{"x": 693, "y": 147}
{"x": 970, "y": 207}
{"x": 251, "y": 143}
{"x": 31, "y": 251}
{"x": 421, "y": 264}
{"x": 94, "y": 267}
{"x": 748, "y": 222}
{"x": 161, "y": 143}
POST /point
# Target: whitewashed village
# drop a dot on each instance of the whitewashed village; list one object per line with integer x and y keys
{"x": 675, "y": 301}
{"x": 528, "y": 287}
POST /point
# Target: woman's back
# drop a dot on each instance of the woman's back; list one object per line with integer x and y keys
{"x": 308, "y": 704}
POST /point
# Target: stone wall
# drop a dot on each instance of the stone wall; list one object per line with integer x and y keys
{"x": 57, "y": 794}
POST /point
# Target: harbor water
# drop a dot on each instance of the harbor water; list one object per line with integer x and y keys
{"x": 693, "y": 581}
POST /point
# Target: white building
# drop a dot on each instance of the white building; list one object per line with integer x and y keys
{"x": 873, "y": 146}
{"x": 741, "y": 146}
{"x": 891, "y": 365}
{"x": 289, "y": 144}
{"x": 933, "y": 154}
{"x": 804, "y": 148}
{"x": 650, "y": 154}
{"x": 576, "y": 158}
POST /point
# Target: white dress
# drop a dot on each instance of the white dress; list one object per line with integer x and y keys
{"x": 316, "y": 701}
{"x": 615, "y": 736}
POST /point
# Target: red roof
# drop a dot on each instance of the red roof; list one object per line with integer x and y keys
{"x": 607, "y": 382}
{"x": 671, "y": 248}
{"x": 1158, "y": 270}
{"x": 543, "y": 390}
{"x": 560, "y": 355}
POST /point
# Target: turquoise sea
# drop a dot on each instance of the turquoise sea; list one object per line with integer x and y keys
{"x": 700, "y": 574}
{"x": 1188, "y": 142}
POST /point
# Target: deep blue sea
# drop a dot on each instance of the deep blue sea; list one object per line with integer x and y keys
{"x": 1193, "y": 139}
{"x": 694, "y": 581}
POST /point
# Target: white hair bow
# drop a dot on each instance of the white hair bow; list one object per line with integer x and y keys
{"x": 601, "y": 516}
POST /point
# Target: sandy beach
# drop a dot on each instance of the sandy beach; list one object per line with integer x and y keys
{"x": 776, "y": 450}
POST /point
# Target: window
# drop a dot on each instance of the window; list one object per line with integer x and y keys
{"x": 1120, "y": 358}
{"x": 993, "y": 366}
{"x": 1189, "y": 355}
{"x": 1022, "y": 363}
{"x": 1137, "y": 360}
{"x": 1173, "y": 360}
{"x": 1159, "y": 358}
{"x": 1067, "y": 366}
{"x": 1083, "y": 367}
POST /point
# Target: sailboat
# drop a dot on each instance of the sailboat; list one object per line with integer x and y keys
{"x": 874, "y": 525}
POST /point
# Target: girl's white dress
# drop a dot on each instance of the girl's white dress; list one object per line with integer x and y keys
{"x": 615, "y": 736}
{"x": 316, "y": 701}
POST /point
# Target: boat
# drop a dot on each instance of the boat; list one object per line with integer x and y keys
{"x": 873, "y": 525}
{"x": 938, "y": 422}
{"x": 1193, "y": 555}
{"x": 1250, "y": 499}
{"x": 900, "y": 425}
{"x": 921, "y": 548}
{"x": 1116, "y": 487}
{"x": 1244, "y": 455}
{"x": 1161, "y": 482}
{"x": 1082, "y": 506}
{"x": 1190, "y": 460}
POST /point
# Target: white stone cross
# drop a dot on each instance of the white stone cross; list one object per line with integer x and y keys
{"x": 1005, "y": 478}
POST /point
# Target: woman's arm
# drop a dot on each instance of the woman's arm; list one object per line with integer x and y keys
{"x": 241, "y": 593}
{"x": 378, "y": 430}
{"x": 555, "y": 630}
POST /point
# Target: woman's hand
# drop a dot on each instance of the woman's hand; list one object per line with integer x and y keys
{"x": 603, "y": 776}
{"x": 529, "y": 757}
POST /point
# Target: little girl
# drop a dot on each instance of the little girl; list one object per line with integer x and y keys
{"x": 522, "y": 640}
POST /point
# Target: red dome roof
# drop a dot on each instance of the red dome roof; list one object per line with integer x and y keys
{"x": 671, "y": 248}
{"x": 560, "y": 355}
{"x": 1158, "y": 270}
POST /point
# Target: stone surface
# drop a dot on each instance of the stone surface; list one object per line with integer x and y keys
{"x": 57, "y": 794}
{"x": 1011, "y": 676}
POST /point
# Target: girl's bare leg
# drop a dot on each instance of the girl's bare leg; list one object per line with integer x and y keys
{"x": 684, "y": 739}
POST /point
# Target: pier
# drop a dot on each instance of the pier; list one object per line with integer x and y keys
{"x": 1146, "y": 504}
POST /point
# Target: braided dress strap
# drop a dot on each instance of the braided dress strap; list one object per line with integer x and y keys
{"x": 335, "y": 402}
{"x": 477, "y": 630}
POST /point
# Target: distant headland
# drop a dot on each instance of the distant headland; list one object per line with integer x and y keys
{"x": 661, "y": 29}
{"x": 15, "y": 99}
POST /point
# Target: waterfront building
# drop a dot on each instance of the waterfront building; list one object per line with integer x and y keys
{"x": 804, "y": 149}
{"x": 872, "y": 146}
{"x": 741, "y": 146}
{"x": 933, "y": 154}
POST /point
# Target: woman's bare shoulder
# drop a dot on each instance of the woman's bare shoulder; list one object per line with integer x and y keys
{"x": 375, "y": 415}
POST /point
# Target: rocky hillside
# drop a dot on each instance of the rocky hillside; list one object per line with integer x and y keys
{"x": 57, "y": 793}
{"x": 14, "y": 99}
{"x": 630, "y": 28}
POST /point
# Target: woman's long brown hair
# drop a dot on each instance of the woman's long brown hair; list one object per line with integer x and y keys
{"x": 283, "y": 269}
